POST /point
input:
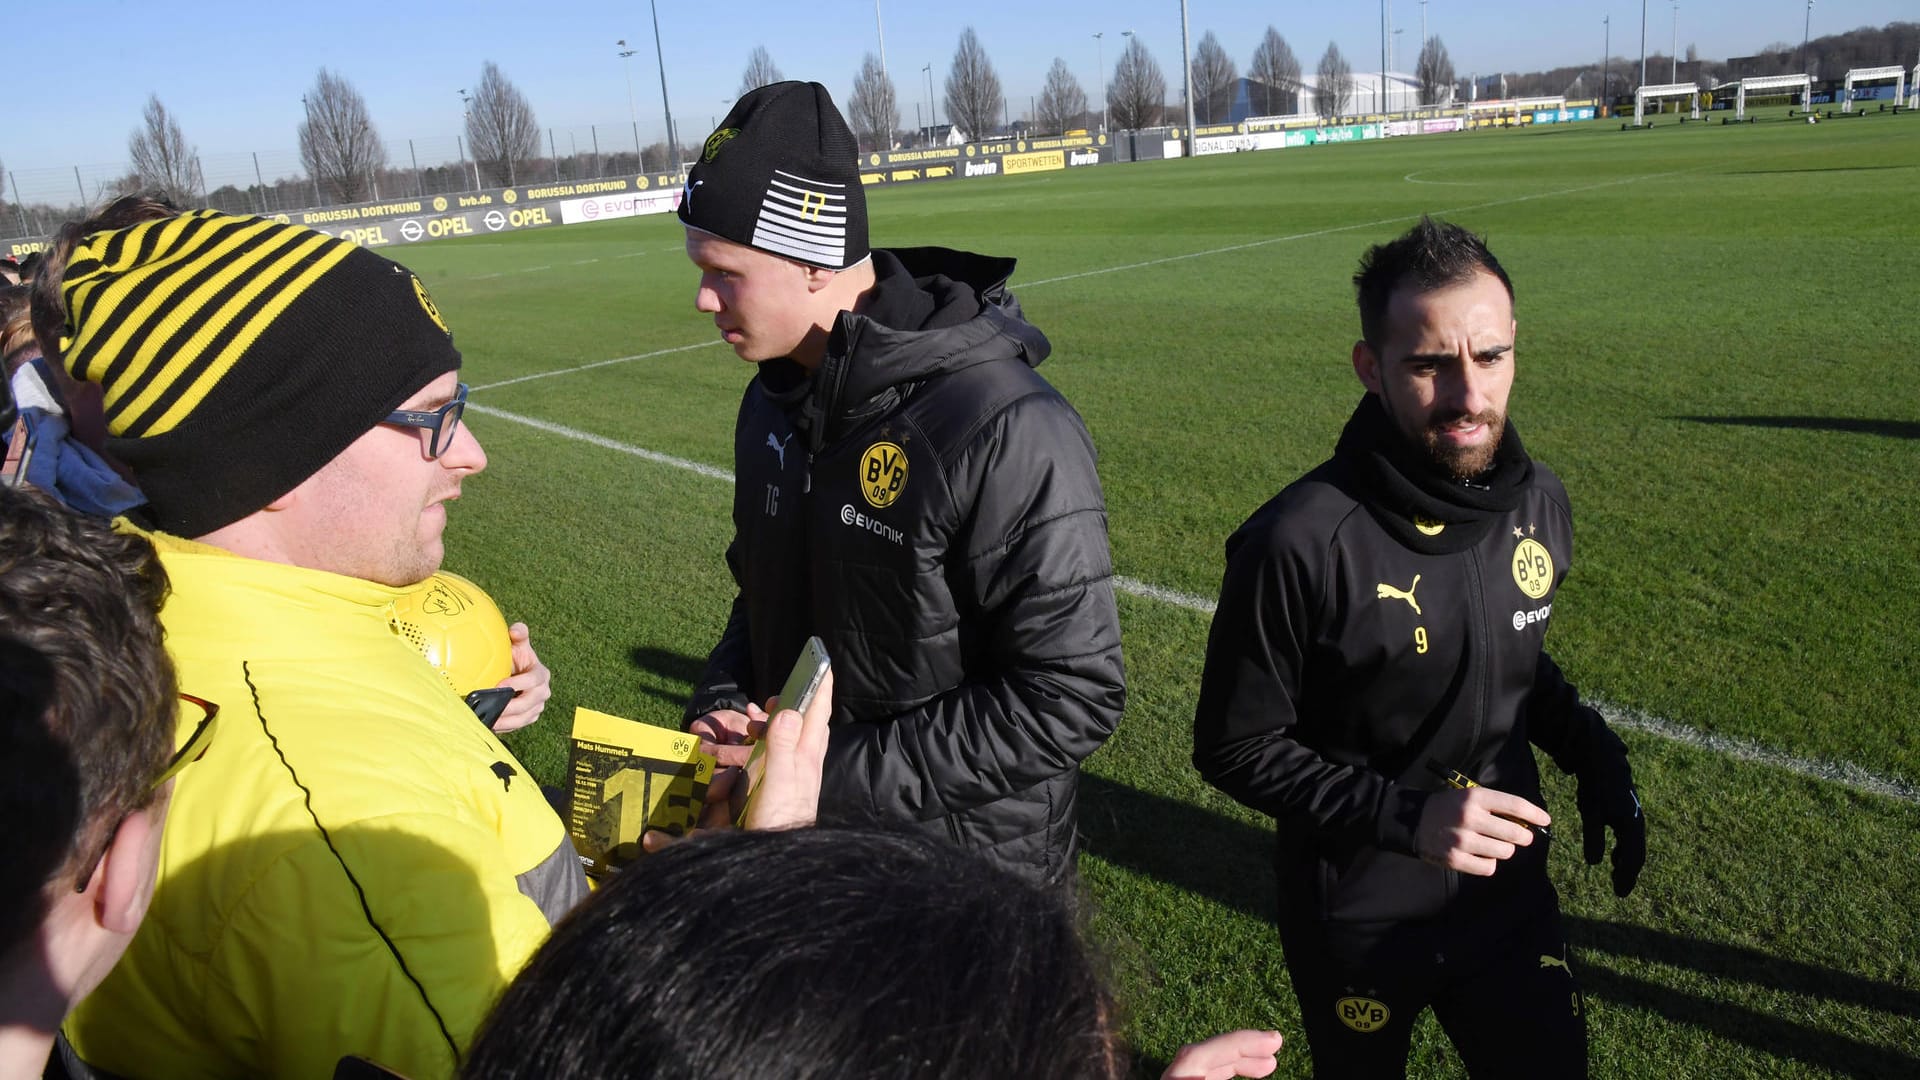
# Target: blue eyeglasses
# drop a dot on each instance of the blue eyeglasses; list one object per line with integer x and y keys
{"x": 443, "y": 423}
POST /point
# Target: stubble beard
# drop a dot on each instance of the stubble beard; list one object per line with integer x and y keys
{"x": 1463, "y": 463}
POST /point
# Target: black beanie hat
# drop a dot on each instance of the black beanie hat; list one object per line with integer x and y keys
{"x": 238, "y": 355}
{"x": 781, "y": 174}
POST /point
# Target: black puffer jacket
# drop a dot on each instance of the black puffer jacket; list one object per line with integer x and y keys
{"x": 927, "y": 504}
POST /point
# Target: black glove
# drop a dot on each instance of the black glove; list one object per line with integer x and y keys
{"x": 1607, "y": 800}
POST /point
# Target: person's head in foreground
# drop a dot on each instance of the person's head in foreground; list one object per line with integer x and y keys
{"x": 277, "y": 392}
{"x": 809, "y": 953}
{"x": 776, "y": 221}
{"x": 87, "y": 711}
{"x": 1436, "y": 319}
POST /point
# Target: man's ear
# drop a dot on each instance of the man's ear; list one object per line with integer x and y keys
{"x": 1366, "y": 365}
{"x": 125, "y": 878}
{"x": 817, "y": 277}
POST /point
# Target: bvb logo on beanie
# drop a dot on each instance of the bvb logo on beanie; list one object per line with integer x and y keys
{"x": 788, "y": 182}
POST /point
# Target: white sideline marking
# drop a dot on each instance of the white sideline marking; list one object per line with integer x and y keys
{"x": 1413, "y": 178}
{"x": 1845, "y": 773}
{"x": 1021, "y": 287}
{"x": 588, "y": 367}
{"x": 1840, "y": 772}
{"x": 603, "y": 442}
{"x": 1166, "y": 596}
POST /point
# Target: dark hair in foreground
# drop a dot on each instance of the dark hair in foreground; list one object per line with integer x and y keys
{"x": 808, "y": 953}
{"x": 1430, "y": 256}
{"x": 86, "y": 695}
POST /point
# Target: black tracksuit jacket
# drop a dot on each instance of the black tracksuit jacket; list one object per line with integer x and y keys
{"x": 927, "y": 504}
{"x": 1354, "y": 643}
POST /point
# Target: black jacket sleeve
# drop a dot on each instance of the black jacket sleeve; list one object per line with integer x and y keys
{"x": 1246, "y": 726}
{"x": 723, "y": 684}
{"x": 1033, "y": 584}
{"x": 1575, "y": 735}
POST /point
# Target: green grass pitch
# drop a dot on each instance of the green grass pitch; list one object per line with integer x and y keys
{"x": 1717, "y": 352}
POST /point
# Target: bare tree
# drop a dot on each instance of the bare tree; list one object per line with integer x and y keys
{"x": 1214, "y": 76}
{"x": 1277, "y": 71}
{"x": 501, "y": 130}
{"x": 761, "y": 70}
{"x": 1434, "y": 71}
{"x": 1138, "y": 92}
{"x": 973, "y": 90}
{"x": 161, "y": 157}
{"x": 338, "y": 143}
{"x": 1062, "y": 102}
{"x": 1334, "y": 85}
{"x": 874, "y": 109}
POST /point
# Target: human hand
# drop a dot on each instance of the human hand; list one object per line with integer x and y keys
{"x": 1234, "y": 1053}
{"x": 1472, "y": 829}
{"x": 789, "y": 789}
{"x": 531, "y": 683}
{"x": 725, "y": 733}
{"x": 796, "y": 750}
{"x": 1608, "y": 799}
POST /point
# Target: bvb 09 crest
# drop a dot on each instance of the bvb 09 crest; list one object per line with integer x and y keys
{"x": 883, "y": 474}
{"x": 1532, "y": 568}
{"x": 1362, "y": 1014}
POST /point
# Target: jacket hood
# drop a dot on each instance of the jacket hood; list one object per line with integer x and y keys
{"x": 933, "y": 311}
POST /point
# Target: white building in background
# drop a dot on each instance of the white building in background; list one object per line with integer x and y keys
{"x": 1252, "y": 98}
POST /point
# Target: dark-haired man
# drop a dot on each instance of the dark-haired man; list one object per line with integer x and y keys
{"x": 908, "y": 489}
{"x": 1374, "y": 678}
{"x": 86, "y": 734}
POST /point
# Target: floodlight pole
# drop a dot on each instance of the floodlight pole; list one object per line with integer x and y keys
{"x": 1806, "y": 38}
{"x": 467, "y": 114}
{"x": 1643, "y": 41}
{"x": 1100, "y": 68}
{"x": 933, "y": 117}
{"x": 1606, "y": 62}
{"x": 633, "y": 110}
{"x": 1186, "y": 66}
{"x": 1380, "y": 89}
{"x": 673, "y": 142}
{"x": 1673, "y": 49}
{"x": 878, "y": 25}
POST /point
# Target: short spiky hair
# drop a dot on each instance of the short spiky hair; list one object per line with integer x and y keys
{"x": 86, "y": 694}
{"x": 1431, "y": 255}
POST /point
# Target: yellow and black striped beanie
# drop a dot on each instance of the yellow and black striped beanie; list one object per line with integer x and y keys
{"x": 239, "y": 355}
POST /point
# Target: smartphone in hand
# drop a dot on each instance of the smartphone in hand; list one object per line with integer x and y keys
{"x": 809, "y": 670}
{"x": 488, "y": 704}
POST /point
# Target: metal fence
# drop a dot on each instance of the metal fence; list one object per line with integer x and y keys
{"x": 35, "y": 201}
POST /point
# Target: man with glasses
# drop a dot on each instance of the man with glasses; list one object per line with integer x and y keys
{"x": 86, "y": 758}
{"x": 357, "y": 866}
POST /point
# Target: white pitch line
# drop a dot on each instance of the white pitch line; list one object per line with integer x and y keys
{"x": 1845, "y": 773}
{"x": 1413, "y": 178}
{"x": 1839, "y": 772}
{"x": 589, "y": 367}
{"x": 1271, "y": 240}
{"x": 1175, "y": 597}
{"x": 603, "y": 442}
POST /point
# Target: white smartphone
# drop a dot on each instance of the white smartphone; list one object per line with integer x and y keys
{"x": 809, "y": 670}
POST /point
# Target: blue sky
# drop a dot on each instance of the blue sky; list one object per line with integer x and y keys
{"x": 233, "y": 73}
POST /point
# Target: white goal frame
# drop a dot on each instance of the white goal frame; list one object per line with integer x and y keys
{"x": 1773, "y": 82}
{"x": 1669, "y": 90}
{"x": 1896, "y": 73}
